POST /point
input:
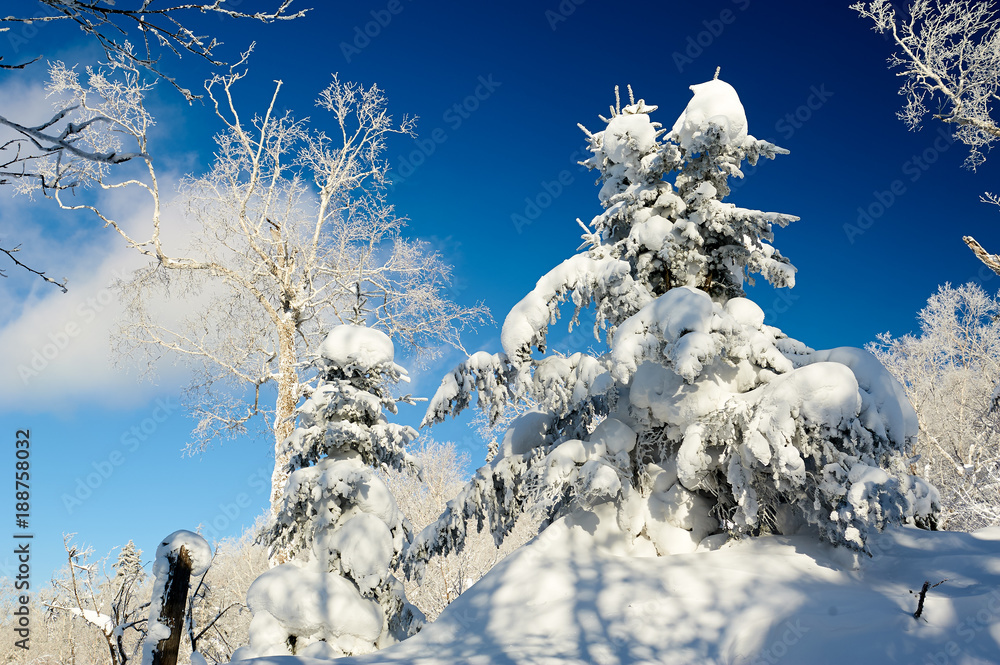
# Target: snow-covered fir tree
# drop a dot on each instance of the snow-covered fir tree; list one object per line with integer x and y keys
{"x": 337, "y": 596}
{"x": 128, "y": 565}
{"x": 698, "y": 419}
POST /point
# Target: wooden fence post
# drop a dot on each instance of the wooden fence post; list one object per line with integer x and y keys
{"x": 174, "y": 605}
{"x": 180, "y": 556}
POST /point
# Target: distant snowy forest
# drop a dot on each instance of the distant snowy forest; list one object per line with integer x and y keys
{"x": 693, "y": 437}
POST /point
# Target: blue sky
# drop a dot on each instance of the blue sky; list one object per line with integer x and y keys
{"x": 499, "y": 88}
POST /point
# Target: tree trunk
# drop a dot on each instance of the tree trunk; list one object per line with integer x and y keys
{"x": 284, "y": 422}
{"x": 173, "y": 608}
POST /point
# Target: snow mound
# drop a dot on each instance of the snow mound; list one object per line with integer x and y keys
{"x": 714, "y": 102}
{"x": 339, "y": 491}
{"x": 364, "y": 547}
{"x": 683, "y": 311}
{"x": 788, "y": 599}
{"x": 357, "y": 347}
{"x": 628, "y": 133}
{"x": 525, "y": 432}
{"x": 313, "y": 606}
{"x": 897, "y": 419}
{"x": 614, "y": 435}
{"x": 102, "y": 621}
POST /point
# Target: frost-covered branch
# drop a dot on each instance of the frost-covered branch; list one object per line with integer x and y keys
{"x": 118, "y": 28}
{"x": 76, "y": 145}
{"x": 949, "y": 55}
{"x": 41, "y": 273}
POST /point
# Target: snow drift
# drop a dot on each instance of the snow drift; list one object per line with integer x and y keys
{"x": 567, "y": 598}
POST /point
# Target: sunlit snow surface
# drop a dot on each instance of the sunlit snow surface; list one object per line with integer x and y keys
{"x": 565, "y": 598}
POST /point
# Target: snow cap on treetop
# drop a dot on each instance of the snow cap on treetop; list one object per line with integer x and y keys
{"x": 714, "y": 101}
{"x": 358, "y": 347}
{"x": 627, "y": 132}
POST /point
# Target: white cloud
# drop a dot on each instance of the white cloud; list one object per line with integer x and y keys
{"x": 56, "y": 347}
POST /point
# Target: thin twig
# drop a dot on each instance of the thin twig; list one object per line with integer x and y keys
{"x": 923, "y": 594}
{"x": 40, "y": 273}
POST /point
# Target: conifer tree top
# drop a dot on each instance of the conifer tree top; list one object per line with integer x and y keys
{"x": 358, "y": 348}
{"x": 714, "y": 102}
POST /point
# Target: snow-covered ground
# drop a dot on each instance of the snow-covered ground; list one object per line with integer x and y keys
{"x": 566, "y": 597}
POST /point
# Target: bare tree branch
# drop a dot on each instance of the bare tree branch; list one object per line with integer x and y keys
{"x": 37, "y": 159}
{"x": 160, "y": 26}
{"x": 992, "y": 261}
{"x": 10, "y": 254}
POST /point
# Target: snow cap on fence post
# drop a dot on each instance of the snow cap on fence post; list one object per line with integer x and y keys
{"x": 179, "y": 556}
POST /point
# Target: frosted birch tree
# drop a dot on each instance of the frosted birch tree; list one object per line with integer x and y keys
{"x": 948, "y": 58}
{"x": 949, "y": 371}
{"x": 291, "y": 224}
{"x": 29, "y": 143}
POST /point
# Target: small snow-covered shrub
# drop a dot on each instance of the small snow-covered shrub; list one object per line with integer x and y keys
{"x": 698, "y": 418}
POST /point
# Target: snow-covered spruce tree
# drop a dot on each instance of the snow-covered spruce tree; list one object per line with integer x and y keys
{"x": 698, "y": 418}
{"x": 337, "y": 597}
